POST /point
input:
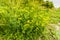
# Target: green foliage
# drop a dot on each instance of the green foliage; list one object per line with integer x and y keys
{"x": 55, "y": 17}
{"x": 48, "y": 4}
{"x": 23, "y": 20}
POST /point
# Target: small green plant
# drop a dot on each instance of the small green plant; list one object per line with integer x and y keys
{"x": 23, "y": 20}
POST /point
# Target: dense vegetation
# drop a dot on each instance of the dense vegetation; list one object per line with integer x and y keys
{"x": 27, "y": 20}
